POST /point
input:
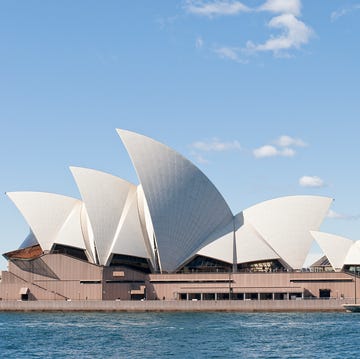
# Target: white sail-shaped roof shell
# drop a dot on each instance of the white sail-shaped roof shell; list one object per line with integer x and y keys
{"x": 146, "y": 224}
{"x": 353, "y": 255}
{"x": 129, "y": 238}
{"x": 334, "y": 247}
{"x": 88, "y": 234}
{"x": 52, "y": 218}
{"x": 71, "y": 229}
{"x": 185, "y": 206}
{"x": 251, "y": 246}
{"x": 104, "y": 196}
{"x": 221, "y": 248}
{"x": 285, "y": 223}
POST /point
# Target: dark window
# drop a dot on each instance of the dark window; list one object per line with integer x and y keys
{"x": 324, "y": 293}
{"x": 137, "y": 263}
{"x": 263, "y": 267}
{"x": 37, "y": 266}
{"x": 194, "y": 296}
{"x": 205, "y": 264}
{"x": 266, "y": 296}
{"x": 70, "y": 251}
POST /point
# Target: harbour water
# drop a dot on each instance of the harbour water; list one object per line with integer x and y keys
{"x": 179, "y": 335}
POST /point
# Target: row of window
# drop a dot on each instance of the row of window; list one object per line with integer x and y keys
{"x": 239, "y": 296}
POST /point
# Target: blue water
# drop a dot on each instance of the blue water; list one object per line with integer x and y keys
{"x": 179, "y": 335}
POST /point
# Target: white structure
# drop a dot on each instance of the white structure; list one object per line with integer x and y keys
{"x": 285, "y": 224}
{"x": 110, "y": 203}
{"x": 172, "y": 217}
{"x": 52, "y": 218}
{"x": 353, "y": 255}
{"x": 340, "y": 251}
{"x": 276, "y": 229}
{"x": 185, "y": 207}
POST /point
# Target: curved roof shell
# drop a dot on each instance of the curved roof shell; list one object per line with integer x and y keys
{"x": 52, "y": 218}
{"x": 129, "y": 239}
{"x": 353, "y": 256}
{"x": 221, "y": 248}
{"x": 104, "y": 196}
{"x": 334, "y": 247}
{"x": 249, "y": 245}
{"x": 174, "y": 214}
{"x": 285, "y": 223}
{"x": 185, "y": 206}
{"x": 88, "y": 234}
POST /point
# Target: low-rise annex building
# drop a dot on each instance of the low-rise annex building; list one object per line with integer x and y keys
{"x": 172, "y": 236}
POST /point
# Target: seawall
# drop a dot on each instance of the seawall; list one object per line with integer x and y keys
{"x": 176, "y": 306}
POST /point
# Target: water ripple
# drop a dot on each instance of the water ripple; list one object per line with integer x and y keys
{"x": 179, "y": 335}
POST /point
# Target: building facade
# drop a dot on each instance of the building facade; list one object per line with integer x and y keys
{"x": 172, "y": 236}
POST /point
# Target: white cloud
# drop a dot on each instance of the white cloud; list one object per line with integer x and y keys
{"x": 198, "y": 148}
{"x": 281, "y": 147}
{"x": 294, "y": 34}
{"x": 335, "y": 215}
{"x": 338, "y": 13}
{"x": 335, "y": 15}
{"x": 215, "y": 8}
{"x": 215, "y": 145}
{"x": 282, "y": 6}
{"x": 265, "y": 151}
{"x": 311, "y": 181}
{"x": 287, "y": 152}
{"x": 199, "y": 158}
{"x": 199, "y": 42}
{"x": 272, "y": 151}
{"x": 286, "y": 141}
{"x": 230, "y": 53}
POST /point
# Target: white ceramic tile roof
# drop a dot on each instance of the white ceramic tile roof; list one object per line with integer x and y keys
{"x": 185, "y": 206}
{"x": 353, "y": 256}
{"x": 285, "y": 223}
{"x": 104, "y": 196}
{"x": 49, "y": 215}
{"x": 334, "y": 247}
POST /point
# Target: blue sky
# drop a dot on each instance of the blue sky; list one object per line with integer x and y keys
{"x": 262, "y": 95}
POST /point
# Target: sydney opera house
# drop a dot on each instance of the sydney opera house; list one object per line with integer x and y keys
{"x": 172, "y": 237}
